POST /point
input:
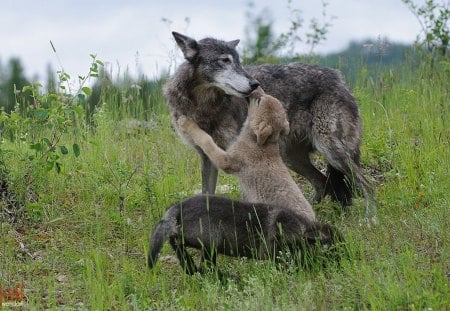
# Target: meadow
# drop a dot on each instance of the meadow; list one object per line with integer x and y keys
{"x": 75, "y": 232}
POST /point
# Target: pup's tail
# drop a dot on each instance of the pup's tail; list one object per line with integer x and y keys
{"x": 159, "y": 236}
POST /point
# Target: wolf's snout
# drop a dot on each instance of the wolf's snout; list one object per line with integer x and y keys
{"x": 254, "y": 84}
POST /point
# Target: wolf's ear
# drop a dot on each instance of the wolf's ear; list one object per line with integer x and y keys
{"x": 233, "y": 44}
{"x": 188, "y": 46}
{"x": 263, "y": 133}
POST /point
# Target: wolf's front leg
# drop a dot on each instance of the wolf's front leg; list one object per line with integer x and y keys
{"x": 209, "y": 173}
{"x": 202, "y": 139}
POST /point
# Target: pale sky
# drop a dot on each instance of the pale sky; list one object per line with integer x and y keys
{"x": 131, "y": 34}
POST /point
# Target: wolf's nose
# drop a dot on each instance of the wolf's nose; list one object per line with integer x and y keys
{"x": 254, "y": 84}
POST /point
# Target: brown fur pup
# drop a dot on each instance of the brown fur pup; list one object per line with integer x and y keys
{"x": 254, "y": 157}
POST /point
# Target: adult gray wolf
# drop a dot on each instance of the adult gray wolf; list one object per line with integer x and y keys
{"x": 254, "y": 156}
{"x": 211, "y": 85}
{"x": 218, "y": 225}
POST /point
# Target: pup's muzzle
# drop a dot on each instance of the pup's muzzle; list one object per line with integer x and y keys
{"x": 257, "y": 93}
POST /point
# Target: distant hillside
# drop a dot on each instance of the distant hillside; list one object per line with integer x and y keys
{"x": 375, "y": 55}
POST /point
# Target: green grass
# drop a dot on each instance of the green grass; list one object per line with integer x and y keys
{"x": 83, "y": 244}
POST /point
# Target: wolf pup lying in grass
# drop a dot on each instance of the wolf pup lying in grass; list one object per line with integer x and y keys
{"x": 218, "y": 225}
{"x": 254, "y": 157}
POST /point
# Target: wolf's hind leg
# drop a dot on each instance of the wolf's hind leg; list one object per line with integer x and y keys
{"x": 339, "y": 159}
{"x": 339, "y": 187}
{"x": 299, "y": 161}
{"x": 336, "y": 134}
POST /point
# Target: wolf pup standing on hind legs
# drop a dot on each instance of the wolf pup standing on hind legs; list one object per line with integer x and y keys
{"x": 210, "y": 87}
{"x": 254, "y": 156}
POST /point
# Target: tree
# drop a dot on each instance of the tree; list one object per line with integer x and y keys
{"x": 264, "y": 46}
{"x": 260, "y": 42}
{"x": 14, "y": 80}
{"x": 434, "y": 21}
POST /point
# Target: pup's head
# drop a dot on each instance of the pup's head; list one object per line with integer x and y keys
{"x": 267, "y": 117}
{"x": 322, "y": 244}
{"x": 217, "y": 63}
{"x": 323, "y": 234}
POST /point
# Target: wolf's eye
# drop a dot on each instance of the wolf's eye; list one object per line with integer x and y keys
{"x": 225, "y": 60}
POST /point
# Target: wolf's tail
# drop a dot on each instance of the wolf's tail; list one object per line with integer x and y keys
{"x": 159, "y": 236}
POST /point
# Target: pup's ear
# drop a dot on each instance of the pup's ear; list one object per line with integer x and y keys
{"x": 188, "y": 46}
{"x": 233, "y": 44}
{"x": 263, "y": 133}
{"x": 285, "y": 129}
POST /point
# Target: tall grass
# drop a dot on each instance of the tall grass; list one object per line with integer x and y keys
{"x": 84, "y": 242}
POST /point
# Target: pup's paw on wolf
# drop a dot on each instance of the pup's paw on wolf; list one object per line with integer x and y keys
{"x": 186, "y": 124}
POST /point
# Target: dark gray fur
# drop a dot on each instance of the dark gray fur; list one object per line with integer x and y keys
{"x": 217, "y": 225}
{"x": 322, "y": 113}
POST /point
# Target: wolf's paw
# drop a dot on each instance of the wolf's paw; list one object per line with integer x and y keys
{"x": 369, "y": 222}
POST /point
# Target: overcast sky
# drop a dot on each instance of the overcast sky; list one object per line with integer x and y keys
{"x": 127, "y": 33}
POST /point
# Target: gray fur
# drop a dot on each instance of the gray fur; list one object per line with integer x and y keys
{"x": 217, "y": 225}
{"x": 254, "y": 157}
{"x": 322, "y": 113}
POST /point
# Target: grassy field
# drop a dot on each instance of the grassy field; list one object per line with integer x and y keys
{"x": 81, "y": 240}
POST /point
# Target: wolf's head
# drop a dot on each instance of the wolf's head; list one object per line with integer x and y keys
{"x": 217, "y": 63}
{"x": 267, "y": 117}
